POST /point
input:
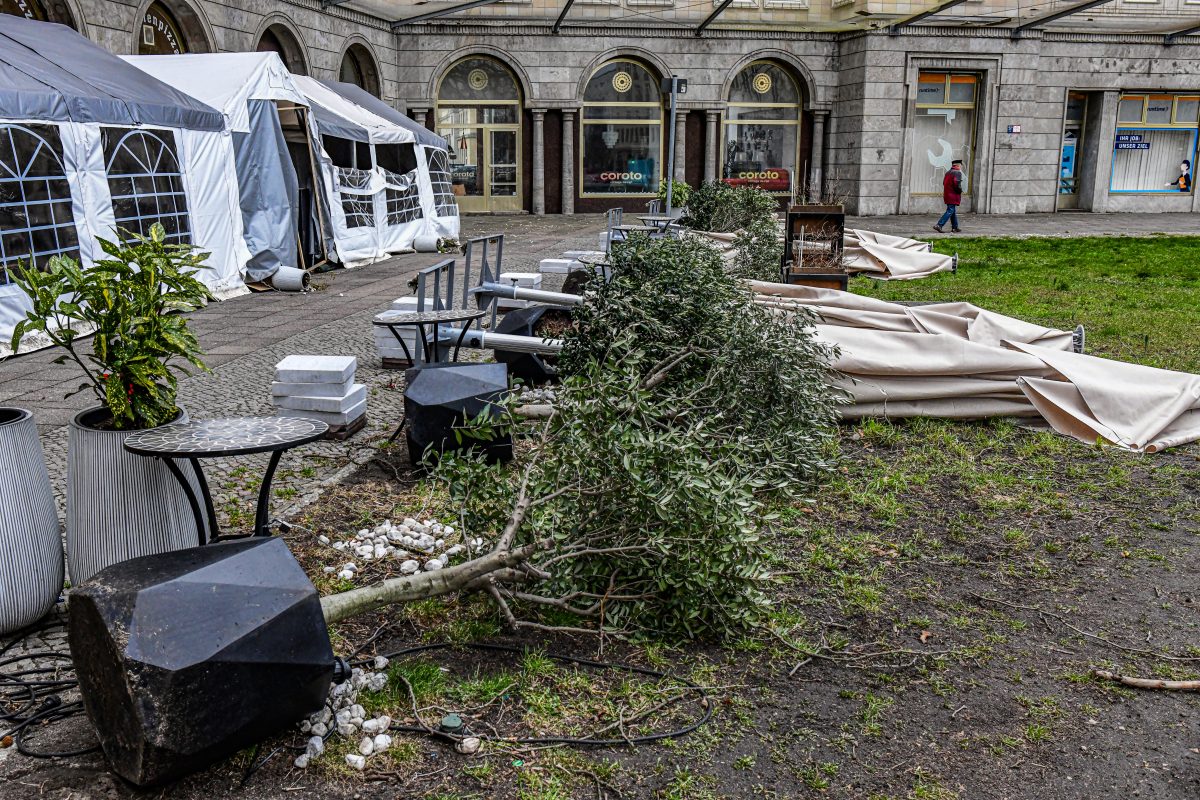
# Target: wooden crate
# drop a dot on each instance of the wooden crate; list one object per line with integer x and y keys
{"x": 813, "y": 243}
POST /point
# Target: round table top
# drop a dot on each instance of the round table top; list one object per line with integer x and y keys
{"x": 228, "y": 436}
{"x": 425, "y": 317}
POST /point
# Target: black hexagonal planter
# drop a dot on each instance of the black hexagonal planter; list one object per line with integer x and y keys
{"x": 532, "y": 368}
{"x": 441, "y": 397}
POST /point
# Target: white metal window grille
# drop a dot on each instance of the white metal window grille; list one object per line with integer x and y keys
{"x": 403, "y": 198}
{"x": 36, "y": 222}
{"x": 145, "y": 183}
{"x": 355, "y": 192}
{"x": 439, "y": 176}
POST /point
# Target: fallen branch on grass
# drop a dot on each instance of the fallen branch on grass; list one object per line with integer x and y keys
{"x": 1148, "y": 683}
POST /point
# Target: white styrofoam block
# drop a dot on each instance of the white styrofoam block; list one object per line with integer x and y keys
{"x": 315, "y": 369}
{"x": 557, "y": 266}
{"x": 506, "y": 304}
{"x": 405, "y": 304}
{"x": 328, "y": 417}
{"x": 338, "y": 404}
{"x": 580, "y": 255}
{"x": 524, "y": 280}
{"x": 279, "y": 389}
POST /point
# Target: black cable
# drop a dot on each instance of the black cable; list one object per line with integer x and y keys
{"x": 37, "y": 700}
{"x": 567, "y": 740}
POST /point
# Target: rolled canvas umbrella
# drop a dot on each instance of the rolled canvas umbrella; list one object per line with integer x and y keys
{"x": 878, "y": 255}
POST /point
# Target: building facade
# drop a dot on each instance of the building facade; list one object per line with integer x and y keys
{"x": 555, "y": 106}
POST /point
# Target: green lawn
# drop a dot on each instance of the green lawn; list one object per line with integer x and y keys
{"x": 1139, "y": 298}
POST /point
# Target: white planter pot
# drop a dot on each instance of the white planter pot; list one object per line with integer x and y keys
{"x": 119, "y": 505}
{"x": 31, "y": 567}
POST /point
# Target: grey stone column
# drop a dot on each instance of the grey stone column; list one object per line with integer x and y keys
{"x": 712, "y": 120}
{"x": 568, "y": 162}
{"x": 680, "y": 145}
{"x": 539, "y": 162}
{"x": 420, "y": 115}
{"x": 816, "y": 175}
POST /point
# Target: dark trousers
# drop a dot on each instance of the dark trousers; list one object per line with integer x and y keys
{"x": 952, "y": 215}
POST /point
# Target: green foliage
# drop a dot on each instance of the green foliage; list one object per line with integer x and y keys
{"x": 683, "y": 409}
{"x": 758, "y": 250}
{"x": 127, "y": 300}
{"x": 681, "y": 192}
{"x": 720, "y": 208}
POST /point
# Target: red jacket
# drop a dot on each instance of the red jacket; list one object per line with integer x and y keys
{"x": 952, "y": 187}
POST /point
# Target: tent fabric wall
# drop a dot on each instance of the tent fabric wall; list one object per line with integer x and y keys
{"x": 51, "y": 78}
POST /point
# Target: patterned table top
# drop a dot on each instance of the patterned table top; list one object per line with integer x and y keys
{"x": 425, "y": 317}
{"x": 230, "y": 436}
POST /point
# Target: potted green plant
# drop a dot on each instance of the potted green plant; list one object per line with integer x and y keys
{"x": 681, "y": 192}
{"x": 119, "y": 505}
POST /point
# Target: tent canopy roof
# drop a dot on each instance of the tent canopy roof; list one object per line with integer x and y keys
{"x": 361, "y": 97}
{"x": 337, "y": 116}
{"x": 50, "y": 72}
{"x": 225, "y": 81}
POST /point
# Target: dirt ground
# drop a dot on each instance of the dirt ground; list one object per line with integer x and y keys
{"x": 939, "y": 612}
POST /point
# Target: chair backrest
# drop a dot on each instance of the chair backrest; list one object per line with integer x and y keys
{"x": 483, "y": 263}
{"x": 435, "y": 286}
{"x": 655, "y": 207}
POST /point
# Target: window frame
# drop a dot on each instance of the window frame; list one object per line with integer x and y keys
{"x": 797, "y": 123}
{"x": 584, "y": 121}
{"x": 973, "y": 106}
{"x": 1112, "y": 171}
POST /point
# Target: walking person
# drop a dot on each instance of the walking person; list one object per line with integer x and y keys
{"x": 952, "y": 187}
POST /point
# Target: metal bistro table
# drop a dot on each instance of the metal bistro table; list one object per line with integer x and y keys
{"x": 214, "y": 438}
{"x": 419, "y": 319}
{"x": 661, "y": 222}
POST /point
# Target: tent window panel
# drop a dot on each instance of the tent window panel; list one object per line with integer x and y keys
{"x": 347, "y": 154}
{"x": 1150, "y": 168}
{"x": 399, "y": 158}
{"x": 403, "y": 198}
{"x": 36, "y": 219}
{"x": 145, "y": 183}
{"x": 359, "y": 210}
{"x": 439, "y": 175}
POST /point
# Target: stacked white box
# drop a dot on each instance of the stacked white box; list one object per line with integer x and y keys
{"x": 386, "y": 343}
{"x": 522, "y": 280}
{"x": 320, "y": 388}
{"x": 559, "y": 266}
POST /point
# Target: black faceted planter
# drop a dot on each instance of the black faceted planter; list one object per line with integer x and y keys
{"x": 441, "y": 397}
{"x": 532, "y": 368}
{"x": 186, "y": 657}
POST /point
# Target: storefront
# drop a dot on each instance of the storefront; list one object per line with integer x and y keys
{"x": 621, "y": 134}
{"x": 761, "y": 142}
{"x": 479, "y": 115}
{"x": 1155, "y": 143}
{"x": 943, "y": 131}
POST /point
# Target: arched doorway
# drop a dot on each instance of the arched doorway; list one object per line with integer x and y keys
{"x": 170, "y": 28}
{"x": 621, "y": 133}
{"x": 278, "y": 39}
{"x": 761, "y": 133}
{"x": 358, "y": 67}
{"x": 39, "y": 10}
{"x": 479, "y": 114}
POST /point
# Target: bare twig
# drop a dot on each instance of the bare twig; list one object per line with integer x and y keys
{"x": 1148, "y": 683}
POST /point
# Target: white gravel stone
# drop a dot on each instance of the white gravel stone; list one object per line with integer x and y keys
{"x": 301, "y": 761}
{"x": 319, "y": 729}
{"x": 372, "y": 727}
{"x": 469, "y": 746}
{"x": 347, "y": 730}
{"x": 380, "y": 662}
{"x": 433, "y": 564}
{"x": 305, "y": 726}
{"x": 343, "y": 716}
{"x": 409, "y": 567}
{"x": 356, "y": 761}
{"x": 366, "y": 746}
{"x": 382, "y": 742}
{"x": 346, "y": 575}
{"x": 316, "y": 746}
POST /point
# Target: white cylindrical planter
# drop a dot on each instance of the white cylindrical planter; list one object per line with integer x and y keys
{"x": 31, "y": 567}
{"x": 119, "y": 505}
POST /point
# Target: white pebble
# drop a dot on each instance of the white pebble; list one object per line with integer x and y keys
{"x": 449, "y": 529}
{"x": 323, "y": 539}
{"x": 433, "y": 564}
{"x": 356, "y": 761}
{"x": 347, "y": 730}
{"x": 358, "y": 711}
{"x": 377, "y": 683}
{"x": 301, "y": 761}
{"x": 455, "y": 550}
{"x": 330, "y": 570}
{"x": 366, "y": 746}
{"x": 351, "y": 566}
{"x": 382, "y": 742}
{"x": 409, "y": 567}
{"x": 325, "y": 716}
{"x": 339, "y": 545}
{"x": 305, "y": 726}
{"x": 469, "y": 745}
{"x": 343, "y": 716}
{"x": 380, "y": 662}
{"x": 346, "y": 575}
{"x": 372, "y": 727}
{"x": 319, "y": 729}
{"x": 316, "y": 746}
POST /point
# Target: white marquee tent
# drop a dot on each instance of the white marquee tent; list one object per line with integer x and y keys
{"x": 258, "y": 98}
{"x": 89, "y": 143}
{"x": 384, "y": 201}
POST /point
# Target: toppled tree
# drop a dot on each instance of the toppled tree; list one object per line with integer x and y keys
{"x": 749, "y": 213}
{"x": 637, "y": 506}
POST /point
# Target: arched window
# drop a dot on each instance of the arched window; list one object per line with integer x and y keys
{"x": 36, "y": 221}
{"x": 278, "y": 39}
{"x": 39, "y": 10}
{"x": 145, "y": 183}
{"x": 621, "y": 134}
{"x": 358, "y": 67}
{"x": 161, "y": 34}
{"x": 762, "y": 129}
{"x": 479, "y": 114}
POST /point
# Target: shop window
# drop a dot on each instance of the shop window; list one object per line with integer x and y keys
{"x": 762, "y": 129}
{"x": 479, "y": 115}
{"x": 621, "y": 133}
{"x": 36, "y": 220}
{"x": 1155, "y": 135}
{"x": 944, "y": 129}
{"x": 145, "y": 182}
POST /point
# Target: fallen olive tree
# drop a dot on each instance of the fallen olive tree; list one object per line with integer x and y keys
{"x": 638, "y": 504}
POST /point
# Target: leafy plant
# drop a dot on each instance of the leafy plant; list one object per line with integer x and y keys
{"x": 127, "y": 300}
{"x": 681, "y": 192}
{"x": 720, "y": 208}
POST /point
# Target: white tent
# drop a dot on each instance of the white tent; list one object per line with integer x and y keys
{"x": 89, "y": 143}
{"x": 382, "y": 201}
{"x": 257, "y": 96}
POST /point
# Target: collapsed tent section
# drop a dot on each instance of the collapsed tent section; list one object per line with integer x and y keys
{"x": 381, "y": 199}
{"x": 956, "y": 360}
{"x": 90, "y": 144}
{"x": 274, "y": 141}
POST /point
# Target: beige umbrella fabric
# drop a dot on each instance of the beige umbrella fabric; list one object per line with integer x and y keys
{"x": 878, "y": 255}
